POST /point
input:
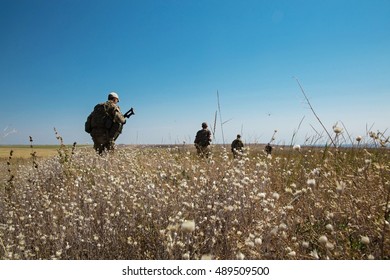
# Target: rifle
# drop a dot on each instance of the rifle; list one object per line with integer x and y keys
{"x": 129, "y": 113}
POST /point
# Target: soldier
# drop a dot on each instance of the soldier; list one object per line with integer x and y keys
{"x": 268, "y": 149}
{"x": 237, "y": 146}
{"x": 202, "y": 141}
{"x": 105, "y": 123}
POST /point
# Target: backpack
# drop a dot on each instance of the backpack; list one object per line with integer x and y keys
{"x": 99, "y": 118}
{"x": 202, "y": 138}
{"x": 237, "y": 144}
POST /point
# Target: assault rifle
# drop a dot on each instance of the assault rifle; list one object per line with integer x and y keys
{"x": 129, "y": 113}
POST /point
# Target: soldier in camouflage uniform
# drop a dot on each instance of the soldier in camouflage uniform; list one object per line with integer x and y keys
{"x": 237, "y": 146}
{"x": 202, "y": 141}
{"x": 105, "y": 123}
{"x": 268, "y": 149}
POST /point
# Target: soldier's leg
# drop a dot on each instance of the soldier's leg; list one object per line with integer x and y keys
{"x": 110, "y": 144}
{"x": 198, "y": 150}
{"x": 207, "y": 151}
{"x": 97, "y": 145}
{"x": 100, "y": 143}
{"x": 204, "y": 151}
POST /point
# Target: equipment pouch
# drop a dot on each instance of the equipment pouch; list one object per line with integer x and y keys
{"x": 88, "y": 124}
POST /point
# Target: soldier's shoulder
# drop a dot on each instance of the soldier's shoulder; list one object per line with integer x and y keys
{"x": 100, "y": 104}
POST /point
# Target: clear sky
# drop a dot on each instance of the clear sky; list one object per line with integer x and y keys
{"x": 168, "y": 59}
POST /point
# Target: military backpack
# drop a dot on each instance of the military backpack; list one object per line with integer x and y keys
{"x": 99, "y": 118}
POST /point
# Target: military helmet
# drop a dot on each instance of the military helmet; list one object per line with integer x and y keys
{"x": 112, "y": 95}
{"x": 204, "y": 125}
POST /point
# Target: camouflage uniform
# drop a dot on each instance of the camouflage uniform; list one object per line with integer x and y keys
{"x": 268, "y": 149}
{"x": 202, "y": 141}
{"x": 237, "y": 146}
{"x": 104, "y": 136}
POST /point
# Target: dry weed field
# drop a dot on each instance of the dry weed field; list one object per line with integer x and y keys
{"x": 24, "y": 152}
{"x": 166, "y": 203}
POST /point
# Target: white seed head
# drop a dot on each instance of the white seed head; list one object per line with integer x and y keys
{"x": 297, "y": 147}
{"x": 258, "y": 241}
{"x": 340, "y": 186}
{"x": 337, "y": 129}
{"x": 186, "y": 256}
{"x": 188, "y": 226}
{"x": 323, "y": 239}
{"x": 240, "y": 256}
{"x": 329, "y": 227}
{"x": 314, "y": 254}
{"x": 292, "y": 254}
{"x": 249, "y": 243}
{"x": 275, "y": 195}
{"x": 365, "y": 240}
{"x": 206, "y": 257}
{"x": 282, "y": 226}
{"x": 311, "y": 182}
{"x": 329, "y": 246}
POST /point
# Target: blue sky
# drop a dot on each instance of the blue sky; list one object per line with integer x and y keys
{"x": 168, "y": 59}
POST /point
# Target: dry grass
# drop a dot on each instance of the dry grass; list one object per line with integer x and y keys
{"x": 165, "y": 203}
{"x": 25, "y": 151}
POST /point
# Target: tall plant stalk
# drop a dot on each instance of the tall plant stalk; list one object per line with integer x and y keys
{"x": 220, "y": 118}
{"x": 315, "y": 114}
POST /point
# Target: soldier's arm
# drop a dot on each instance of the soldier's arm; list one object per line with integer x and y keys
{"x": 119, "y": 118}
{"x": 117, "y": 115}
{"x": 196, "y": 141}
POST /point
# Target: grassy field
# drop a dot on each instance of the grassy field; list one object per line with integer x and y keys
{"x": 24, "y": 151}
{"x": 166, "y": 203}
